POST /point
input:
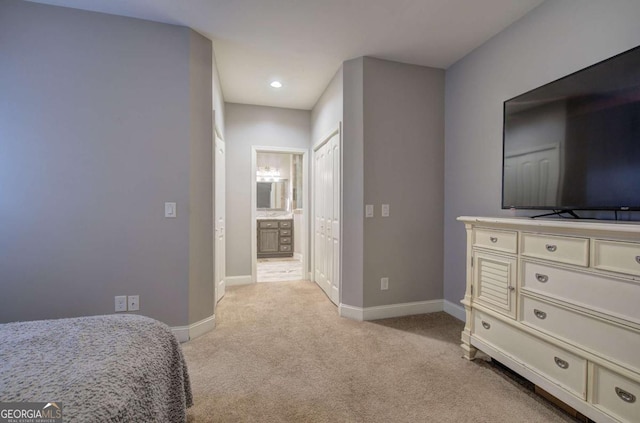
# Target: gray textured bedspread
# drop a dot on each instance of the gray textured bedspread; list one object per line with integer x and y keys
{"x": 119, "y": 368}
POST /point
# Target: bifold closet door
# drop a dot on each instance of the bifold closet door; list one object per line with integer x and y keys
{"x": 327, "y": 217}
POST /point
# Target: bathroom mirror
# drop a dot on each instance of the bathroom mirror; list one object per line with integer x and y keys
{"x": 272, "y": 195}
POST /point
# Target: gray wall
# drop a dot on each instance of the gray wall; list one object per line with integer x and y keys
{"x": 248, "y": 126}
{"x": 555, "y": 39}
{"x": 218, "y": 97}
{"x": 393, "y": 153}
{"x": 327, "y": 112}
{"x": 403, "y": 167}
{"x": 353, "y": 184}
{"x": 98, "y": 123}
{"x": 201, "y": 287}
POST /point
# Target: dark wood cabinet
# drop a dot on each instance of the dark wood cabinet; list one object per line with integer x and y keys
{"x": 275, "y": 238}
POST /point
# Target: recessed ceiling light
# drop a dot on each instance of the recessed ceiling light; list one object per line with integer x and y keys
{"x": 276, "y": 84}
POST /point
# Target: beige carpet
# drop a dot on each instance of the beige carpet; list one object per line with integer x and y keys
{"x": 281, "y": 353}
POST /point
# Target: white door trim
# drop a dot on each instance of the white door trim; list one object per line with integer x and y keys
{"x": 255, "y": 149}
{"x": 219, "y": 228}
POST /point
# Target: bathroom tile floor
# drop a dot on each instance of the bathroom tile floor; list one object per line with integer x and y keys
{"x": 279, "y": 269}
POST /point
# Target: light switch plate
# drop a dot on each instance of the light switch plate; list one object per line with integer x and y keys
{"x": 385, "y": 210}
{"x": 368, "y": 210}
{"x": 170, "y": 210}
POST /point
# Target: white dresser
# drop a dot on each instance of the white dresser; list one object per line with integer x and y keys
{"x": 558, "y": 301}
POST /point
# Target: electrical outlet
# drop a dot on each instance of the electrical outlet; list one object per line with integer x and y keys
{"x": 384, "y": 284}
{"x": 134, "y": 302}
{"x": 121, "y": 303}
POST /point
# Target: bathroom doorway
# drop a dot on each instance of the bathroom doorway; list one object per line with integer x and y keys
{"x": 279, "y": 215}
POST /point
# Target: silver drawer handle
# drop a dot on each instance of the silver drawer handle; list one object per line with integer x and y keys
{"x": 551, "y": 248}
{"x": 638, "y": 259}
{"x": 561, "y": 363}
{"x": 625, "y": 396}
{"x": 493, "y": 239}
{"x": 540, "y": 314}
{"x": 542, "y": 278}
{"x": 486, "y": 325}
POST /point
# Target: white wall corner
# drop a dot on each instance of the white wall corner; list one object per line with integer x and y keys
{"x": 186, "y": 333}
{"x": 351, "y": 312}
{"x": 181, "y": 333}
{"x": 238, "y": 280}
{"x": 455, "y": 310}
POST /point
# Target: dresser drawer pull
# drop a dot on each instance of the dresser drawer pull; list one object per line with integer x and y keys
{"x": 551, "y": 248}
{"x": 486, "y": 325}
{"x": 625, "y": 396}
{"x": 542, "y": 278}
{"x": 512, "y": 288}
{"x": 495, "y": 239}
{"x": 638, "y": 259}
{"x": 540, "y": 314}
{"x": 561, "y": 363}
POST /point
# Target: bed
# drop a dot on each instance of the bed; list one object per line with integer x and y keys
{"x": 119, "y": 368}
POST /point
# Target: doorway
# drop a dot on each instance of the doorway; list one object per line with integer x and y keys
{"x": 279, "y": 218}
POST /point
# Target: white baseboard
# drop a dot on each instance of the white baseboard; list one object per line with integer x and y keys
{"x": 392, "y": 310}
{"x": 351, "y": 312}
{"x": 455, "y": 310}
{"x": 186, "y": 333}
{"x": 297, "y": 256}
{"x": 238, "y": 280}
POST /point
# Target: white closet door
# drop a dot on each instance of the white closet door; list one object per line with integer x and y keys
{"x": 335, "y": 219}
{"x": 327, "y": 217}
{"x": 219, "y": 218}
{"x": 320, "y": 244}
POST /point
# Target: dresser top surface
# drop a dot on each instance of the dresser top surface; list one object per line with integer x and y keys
{"x": 536, "y": 224}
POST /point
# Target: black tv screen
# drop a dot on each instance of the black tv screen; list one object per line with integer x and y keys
{"x": 574, "y": 144}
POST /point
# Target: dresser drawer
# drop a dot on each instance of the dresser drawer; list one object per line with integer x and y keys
{"x": 562, "y": 367}
{"x": 613, "y": 296}
{"x": 496, "y": 240}
{"x": 285, "y": 232}
{"x": 617, "y": 256}
{"x": 556, "y": 248}
{"x": 285, "y": 248}
{"x": 285, "y": 240}
{"x": 615, "y": 395}
{"x": 268, "y": 224}
{"x": 285, "y": 224}
{"x": 616, "y": 343}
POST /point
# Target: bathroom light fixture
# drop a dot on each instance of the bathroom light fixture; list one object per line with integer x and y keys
{"x": 276, "y": 84}
{"x": 267, "y": 174}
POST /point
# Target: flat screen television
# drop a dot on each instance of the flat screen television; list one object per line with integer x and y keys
{"x": 574, "y": 143}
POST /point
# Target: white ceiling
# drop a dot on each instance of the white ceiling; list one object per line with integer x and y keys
{"x": 303, "y": 42}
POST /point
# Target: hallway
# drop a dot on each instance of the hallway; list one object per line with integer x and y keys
{"x": 279, "y": 269}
